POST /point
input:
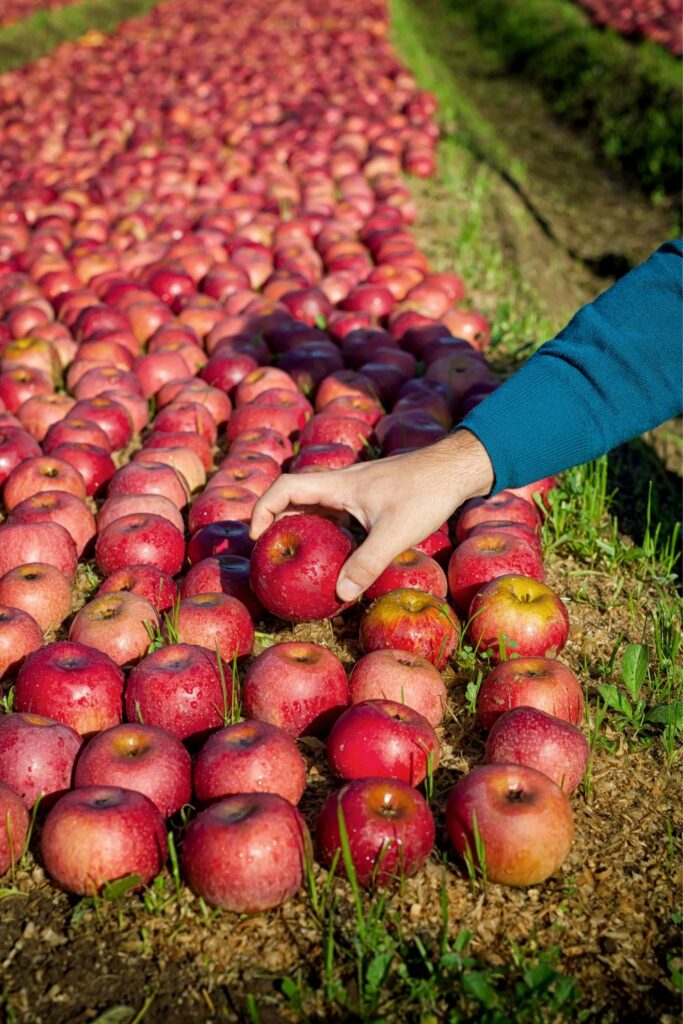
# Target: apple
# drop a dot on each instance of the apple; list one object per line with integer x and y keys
{"x": 247, "y": 461}
{"x": 131, "y": 504}
{"x": 16, "y": 445}
{"x": 191, "y": 417}
{"x": 179, "y": 439}
{"x": 73, "y": 430}
{"x": 220, "y": 538}
{"x": 180, "y": 688}
{"x": 538, "y": 487}
{"x": 15, "y": 821}
{"x": 146, "y": 581}
{"x": 518, "y": 615}
{"x": 75, "y": 684}
{"x": 384, "y": 739}
{"x": 263, "y": 378}
{"x": 97, "y": 834}
{"x": 519, "y": 818}
{"x": 40, "y": 590}
{"x": 215, "y": 621}
{"x": 249, "y": 757}
{"x": 150, "y": 478}
{"x": 402, "y": 677}
{"x": 43, "y": 473}
{"x": 117, "y": 624}
{"x": 222, "y": 574}
{"x": 541, "y": 683}
{"x": 183, "y": 459}
{"x": 295, "y": 564}
{"x": 94, "y": 464}
{"x": 411, "y": 620}
{"x": 108, "y": 414}
{"x": 20, "y": 634}
{"x": 389, "y": 826}
{"x": 246, "y": 853}
{"x": 262, "y": 440}
{"x": 322, "y": 456}
{"x": 530, "y": 737}
{"x": 220, "y": 503}
{"x": 503, "y": 505}
{"x": 140, "y": 539}
{"x": 411, "y": 569}
{"x": 37, "y": 755}
{"x": 510, "y": 529}
{"x": 141, "y": 758}
{"x": 488, "y": 556}
{"x": 61, "y": 508}
{"x": 300, "y": 687}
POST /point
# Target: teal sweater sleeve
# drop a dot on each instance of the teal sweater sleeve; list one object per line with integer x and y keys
{"x": 613, "y": 372}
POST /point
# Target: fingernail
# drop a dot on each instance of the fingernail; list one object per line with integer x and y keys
{"x": 347, "y": 590}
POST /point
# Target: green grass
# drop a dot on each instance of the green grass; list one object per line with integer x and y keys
{"x": 33, "y": 37}
{"x": 637, "y": 122}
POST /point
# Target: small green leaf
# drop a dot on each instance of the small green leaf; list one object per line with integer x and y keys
{"x": 377, "y": 969}
{"x": 634, "y": 666}
{"x": 667, "y": 714}
{"x": 615, "y": 699}
{"x": 113, "y": 891}
{"x": 477, "y": 985}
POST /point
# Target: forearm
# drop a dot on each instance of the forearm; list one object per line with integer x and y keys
{"x": 612, "y": 373}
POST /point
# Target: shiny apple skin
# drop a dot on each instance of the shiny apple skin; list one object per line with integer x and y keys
{"x": 542, "y": 683}
{"x": 384, "y": 739}
{"x": 96, "y": 834}
{"x": 400, "y": 676}
{"x": 218, "y": 622}
{"x": 523, "y": 819}
{"x": 40, "y": 590}
{"x": 37, "y": 755}
{"x": 389, "y": 826}
{"x": 141, "y": 538}
{"x": 178, "y": 688}
{"x": 72, "y": 683}
{"x": 519, "y": 615}
{"x": 411, "y": 620}
{"x": 477, "y": 560}
{"x": 249, "y": 757}
{"x": 300, "y": 687}
{"x": 142, "y": 758}
{"x": 21, "y": 543}
{"x": 294, "y": 567}
{"x": 246, "y": 853}
{"x": 146, "y": 581}
{"x": 15, "y": 819}
{"x": 226, "y": 537}
{"x": 20, "y": 635}
{"x": 223, "y": 574}
{"x": 530, "y": 737}
{"x": 118, "y": 624}
{"x": 412, "y": 569}
{"x": 504, "y": 505}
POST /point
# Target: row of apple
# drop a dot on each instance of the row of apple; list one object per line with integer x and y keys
{"x": 205, "y": 244}
{"x": 658, "y": 20}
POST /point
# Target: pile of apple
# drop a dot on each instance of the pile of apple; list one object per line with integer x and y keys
{"x": 15, "y": 10}
{"x": 207, "y": 278}
{"x": 658, "y": 20}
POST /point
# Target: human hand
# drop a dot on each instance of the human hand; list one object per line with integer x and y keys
{"x": 399, "y": 500}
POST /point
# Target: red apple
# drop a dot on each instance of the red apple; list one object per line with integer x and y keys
{"x": 402, "y": 677}
{"x": 246, "y": 853}
{"x": 37, "y": 755}
{"x": 140, "y": 539}
{"x": 131, "y": 504}
{"x": 117, "y": 624}
{"x": 300, "y": 687}
{"x": 97, "y": 834}
{"x": 530, "y": 737}
{"x": 15, "y": 819}
{"x": 19, "y": 635}
{"x": 217, "y": 622}
{"x": 146, "y": 581}
{"x": 389, "y": 826}
{"x": 40, "y": 590}
{"x": 540, "y": 683}
{"x": 141, "y": 758}
{"x": 220, "y": 538}
{"x": 411, "y": 620}
{"x": 44, "y": 473}
{"x": 295, "y": 564}
{"x": 62, "y": 509}
{"x": 180, "y": 688}
{"x": 221, "y": 574}
{"x": 249, "y": 757}
{"x": 477, "y": 560}
{"x": 384, "y": 739}
{"x": 517, "y": 816}
{"x": 72, "y": 683}
{"x": 150, "y": 478}
{"x": 412, "y": 569}
{"x": 503, "y": 505}
{"x": 94, "y": 464}
{"x": 518, "y": 615}
{"x": 220, "y": 503}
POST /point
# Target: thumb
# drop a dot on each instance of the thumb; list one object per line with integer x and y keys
{"x": 363, "y": 567}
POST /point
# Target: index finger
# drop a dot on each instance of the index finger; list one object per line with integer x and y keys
{"x": 306, "y": 489}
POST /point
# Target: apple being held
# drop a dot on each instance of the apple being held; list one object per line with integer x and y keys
{"x": 37, "y": 755}
{"x": 541, "y": 683}
{"x": 97, "y": 834}
{"x": 385, "y": 739}
{"x": 517, "y": 817}
{"x": 246, "y": 853}
{"x": 518, "y": 615}
{"x": 295, "y": 564}
{"x": 300, "y": 687}
{"x": 389, "y": 826}
{"x": 413, "y": 621}
{"x": 142, "y": 758}
{"x": 15, "y": 819}
{"x": 180, "y": 688}
{"x": 249, "y": 757}
{"x": 531, "y": 737}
